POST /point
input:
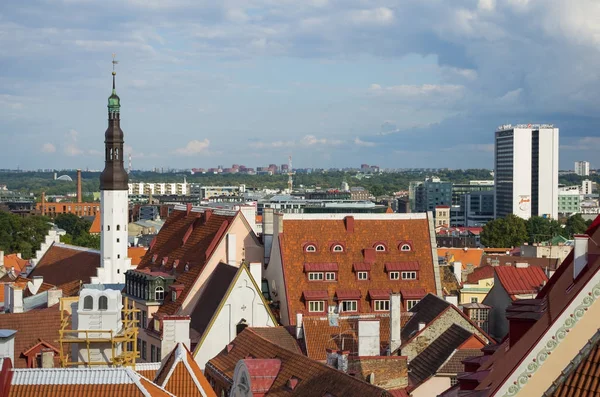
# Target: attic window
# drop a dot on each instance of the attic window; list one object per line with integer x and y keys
{"x": 337, "y": 248}
{"x": 159, "y": 294}
{"x": 103, "y": 303}
{"x": 88, "y": 303}
{"x": 405, "y": 247}
{"x": 310, "y": 248}
{"x": 292, "y": 383}
{"x": 380, "y": 248}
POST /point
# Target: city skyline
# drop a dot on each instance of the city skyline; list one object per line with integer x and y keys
{"x": 329, "y": 83}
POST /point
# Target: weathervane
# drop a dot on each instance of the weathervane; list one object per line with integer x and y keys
{"x": 114, "y": 62}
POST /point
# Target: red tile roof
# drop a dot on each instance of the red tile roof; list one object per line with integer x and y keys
{"x": 521, "y": 280}
{"x": 263, "y": 373}
{"x": 468, "y": 256}
{"x": 320, "y": 267}
{"x": 136, "y": 254}
{"x": 29, "y": 331}
{"x": 583, "y": 379}
{"x": 278, "y": 335}
{"x": 358, "y": 240}
{"x": 186, "y": 238}
{"x": 481, "y": 273}
{"x": 95, "y": 227}
{"x": 181, "y": 375}
{"x": 13, "y": 261}
{"x": 64, "y": 263}
{"x": 493, "y": 373}
{"x": 313, "y": 378}
{"x": 402, "y": 266}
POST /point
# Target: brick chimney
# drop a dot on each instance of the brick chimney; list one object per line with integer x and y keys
{"x": 79, "y": 186}
{"x": 521, "y": 315}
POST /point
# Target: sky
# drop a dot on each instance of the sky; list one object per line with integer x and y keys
{"x": 334, "y": 83}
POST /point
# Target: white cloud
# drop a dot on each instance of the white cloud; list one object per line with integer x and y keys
{"x": 412, "y": 90}
{"x": 194, "y": 147}
{"x": 311, "y": 140}
{"x": 583, "y": 143}
{"x": 72, "y": 150}
{"x": 486, "y": 5}
{"x": 375, "y": 16}
{"x": 48, "y": 148}
{"x": 360, "y": 142}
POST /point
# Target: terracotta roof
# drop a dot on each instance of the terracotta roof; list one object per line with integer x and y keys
{"x": 582, "y": 379}
{"x": 181, "y": 375}
{"x": 13, "y": 261}
{"x": 359, "y": 240}
{"x": 467, "y": 256}
{"x": 314, "y": 378}
{"x": 22, "y": 283}
{"x": 521, "y": 280}
{"x": 64, "y": 263}
{"x": 505, "y": 359}
{"x": 95, "y": 227}
{"x": 29, "y": 331}
{"x": 429, "y": 361}
{"x": 481, "y": 273}
{"x": 147, "y": 370}
{"x": 75, "y": 382}
{"x": 71, "y": 288}
{"x": 216, "y": 287}
{"x": 455, "y": 364}
{"x": 136, "y": 254}
{"x": 186, "y": 238}
{"x": 319, "y": 335}
{"x": 279, "y": 336}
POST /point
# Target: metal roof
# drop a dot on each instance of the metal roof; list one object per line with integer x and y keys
{"x": 73, "y": 376}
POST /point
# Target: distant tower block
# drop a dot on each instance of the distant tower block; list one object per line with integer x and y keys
{"x": 290, "y": 173}
{"x": 129, "y": 168}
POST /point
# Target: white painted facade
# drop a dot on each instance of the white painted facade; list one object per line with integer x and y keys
{"x": 582, "y": 168}
{"x": 526, "y": 171}
{"x": 586, "y": 187}
{"x": 244, "y": 302}
{"x": 174, "y": 188}
{"x": 114, "y": 210}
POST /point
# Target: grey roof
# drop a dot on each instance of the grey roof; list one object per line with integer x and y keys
{"x": 7, "y": 333}
{"x": 425, "y": 311}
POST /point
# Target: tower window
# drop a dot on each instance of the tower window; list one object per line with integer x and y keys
{"x": 118, "y": 227}
{"x": 88, "y": 303}
{"x": 108, "y": 228}
{"x": 118, "y": 240}
{"x": 103, "y": 303}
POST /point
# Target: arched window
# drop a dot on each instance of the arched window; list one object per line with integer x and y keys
{"x": 380, "y": 248}
{"x": 103, "y": 303}
{"x": 405, "y": 247}
{"x": 310, "y": 248}
{"x": 88, "y": 303}
{"x": 338, "y": 248}
{"x": 159, "y": 293}
{"x": 108, "y": 228}
{"x": 118, "y": 227}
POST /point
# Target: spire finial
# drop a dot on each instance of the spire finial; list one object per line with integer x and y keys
{"x": 114, "y": 62}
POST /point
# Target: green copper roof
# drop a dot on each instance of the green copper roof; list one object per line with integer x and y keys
{"x": 114, "y": 102}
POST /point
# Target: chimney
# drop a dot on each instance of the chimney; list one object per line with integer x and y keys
{"x": 395, "y": 324}
{"x": 369, "y": 254}
{"x": 332, "y": 358}
{"x": 268, "y": 232}
{"x": 79, "y": 186}
{"x": 256, "y": 272}
{"x": 457, "y": 267}
{"x": 342, "y": 360}
{"x": 55, "y": 175}
{"x": 175, "y": 329}
{"x": 299, "y": 332}
{"x": 16, "y": 299}
{"x": 47, "y": 358}
{"x": 7, "y": 345}
{"x": 349, "y": 222}
{"x": 207, "y": 215}
{"x": 54, "y": 296}
{"x": 44, "y": 201}
{"x": 368, "y": 338}
{"x": 580, "y": 253}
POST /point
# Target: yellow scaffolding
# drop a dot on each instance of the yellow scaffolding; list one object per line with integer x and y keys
{"x": 126, "y": 337}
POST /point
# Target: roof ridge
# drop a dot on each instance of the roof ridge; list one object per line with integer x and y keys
{"x": 75, "y": 247}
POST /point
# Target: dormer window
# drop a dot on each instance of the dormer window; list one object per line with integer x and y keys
{"x": 337, "y": 248}
{"x": 310, "y": 248}
{"x": 380, "y": 248}
{"x": 173, "y": 295}
{"x": 405, "y": 247}
{"x": 159, "y": 294}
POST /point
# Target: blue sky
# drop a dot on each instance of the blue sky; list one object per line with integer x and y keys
{"x": 335, "y": 83}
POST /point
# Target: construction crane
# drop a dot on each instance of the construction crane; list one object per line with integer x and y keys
{"x": 290, "y": 173}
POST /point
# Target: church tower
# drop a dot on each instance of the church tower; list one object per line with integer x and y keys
{"x": 114, "y": 203}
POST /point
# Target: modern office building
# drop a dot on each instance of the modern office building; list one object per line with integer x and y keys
{"x": 472, "y": 203}
{"x": 526, "y": 170}
{"x": 582, "y": 168}
{"x": 569, "y": 200}
{"x": 425, "y": 196}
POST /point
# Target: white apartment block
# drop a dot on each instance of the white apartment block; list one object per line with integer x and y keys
{"x": 159, "y": 189}
{"x": 526, "y": 170}
{"x": 582, "y": 168}
{"x": 586, "y": 187}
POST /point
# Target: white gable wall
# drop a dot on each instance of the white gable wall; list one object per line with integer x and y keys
{"x": 274, "y": 275}
{"x": 244, "y": 302}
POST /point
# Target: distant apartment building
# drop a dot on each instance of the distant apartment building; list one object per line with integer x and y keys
{"x": 472, "y": 203}
{"x": 442, "y": 215}
{"x": 569, "y": 200}
{"x": 158, "y": 189}
{"x": 586, "y": 187}
{"x": 427, "y": 195}
{"x": 359, "y": 193}
{"x": 526, "y": 170}
{"x": 582, "y": 168}
{"x": 206, "y": 192}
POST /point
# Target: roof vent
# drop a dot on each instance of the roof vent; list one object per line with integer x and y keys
{"x": 229, "y": 347}
{"x": 292, "y": 383}
{"x": 349, "y": 222}
{"x": 187, "y": 267}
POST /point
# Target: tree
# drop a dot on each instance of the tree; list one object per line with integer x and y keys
{"x": 504, "y": 232}
{"x": 72, "y": 224}
{"x": 88, "y": 240}
{"x": 542, "y": 229}
{"x": 22, "y": 235}
{"x": 574, "y": 225}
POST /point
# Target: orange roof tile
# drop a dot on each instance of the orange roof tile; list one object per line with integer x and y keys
{"x": 469, "y": 256}
{"x": 359, "y": 241}
{"x": 136, "y": 254}
{"x": 314, "y": 378}
{"x": 187, "y": 237}
{"x": 181, "y": 375}
{"x": 64, "y": 263}
{"x": 13, "y": 261}
{"x": 95, "y": 228}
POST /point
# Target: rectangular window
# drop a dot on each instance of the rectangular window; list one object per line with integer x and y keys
{"x": 158, "y": 356}
{"x": 409, "y": 275}
{"x": 330, "y": 276}
{"x": 143, "y": 350}
{"x": 153, "y": 353}
{"x": 394, "y": 275}
{"x": 139, "y": 345}
{"x": 349, "y": 306}
{"x": 315, "y": 276}
{"x": 144, "y": 319}
{"x": 382, "y": 305}
{"x": 362, "y": 275}
{"x": 410, "y": 303}
{"x": 453, "y": 381}
{"x": 474, "y": 300}
{"x": 316, "y": 306}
